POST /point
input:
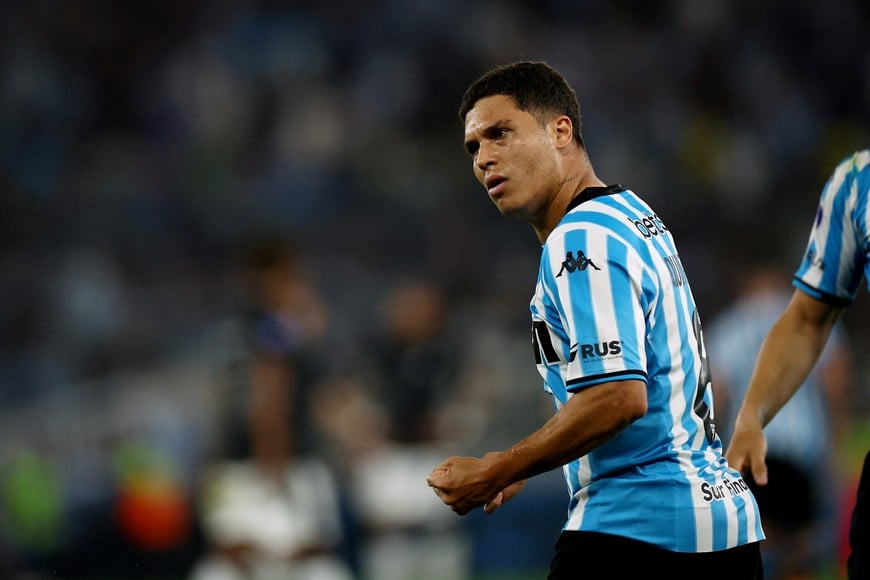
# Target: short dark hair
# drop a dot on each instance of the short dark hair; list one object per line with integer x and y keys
{"x": 536, "y": 87}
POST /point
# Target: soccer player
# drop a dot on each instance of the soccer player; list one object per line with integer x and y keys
{"x": 617, "y": 340}
{"x": 826, "y": 282}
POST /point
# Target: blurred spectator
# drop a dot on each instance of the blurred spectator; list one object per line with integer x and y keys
{"x": 799, "y": 504}
{"x": 32, "y": 506}
{"x": 416, "y": 363}
{"x": 381, "y": 423}
{"x": 153, "y": 515}
{"x": 276, "y": 524}
{"x": 271, "y": 509}
{"x": 401, "y": 533}
{"x": 285, "y": 325}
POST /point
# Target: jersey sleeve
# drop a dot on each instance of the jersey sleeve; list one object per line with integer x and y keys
{"x": 595, "y": 281}
{"x": 836, "y": 254}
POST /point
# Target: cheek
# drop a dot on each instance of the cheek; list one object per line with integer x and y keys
{"x": 538, "y": 166}
{"x": 537, "y": 155}
{"x": 546, "y": 164}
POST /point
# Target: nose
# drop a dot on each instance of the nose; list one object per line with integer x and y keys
{"x": 485, "y": 157}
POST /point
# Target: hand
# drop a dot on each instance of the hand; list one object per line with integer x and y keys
{"x": 465, "y": 483}
{"x": 747, "y": 450}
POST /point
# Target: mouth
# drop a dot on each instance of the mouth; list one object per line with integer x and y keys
{"x": 495, "y": 185}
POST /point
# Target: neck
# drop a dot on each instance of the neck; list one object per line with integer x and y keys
{"x": 574, "y": 183}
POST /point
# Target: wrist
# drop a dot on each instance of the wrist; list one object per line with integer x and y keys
{"x": 750, "y": 417}
{"x": 499, "y": 467}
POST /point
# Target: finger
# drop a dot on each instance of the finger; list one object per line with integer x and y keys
{"x": 494, "y": 504}
{"x": 759, "y": 471}
{"x": 438, "y": 474}
{"x": 512, "y": 490}
{"x": 738, "y": 464}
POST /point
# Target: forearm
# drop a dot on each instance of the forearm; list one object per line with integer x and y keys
{"x": 787, "y": 357}
{"x": 588, "y": 419}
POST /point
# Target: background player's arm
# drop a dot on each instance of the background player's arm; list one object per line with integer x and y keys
{"x": 588, "y": 419}
{"x": 787, "y": 356}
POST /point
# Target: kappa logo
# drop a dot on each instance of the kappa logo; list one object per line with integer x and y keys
{"x": 581, "y": 262}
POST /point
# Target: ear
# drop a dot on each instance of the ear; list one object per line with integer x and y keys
{"x": 562, "y": 129}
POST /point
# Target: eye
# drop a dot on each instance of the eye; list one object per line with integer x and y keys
{"x": 471, "y": 147}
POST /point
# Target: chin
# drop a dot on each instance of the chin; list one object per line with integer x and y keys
{"x": 516, "y": 213}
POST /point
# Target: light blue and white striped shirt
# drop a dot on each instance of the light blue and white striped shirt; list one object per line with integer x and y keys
{"x": 612, "y": 303}
{"x": 837, "y": 252}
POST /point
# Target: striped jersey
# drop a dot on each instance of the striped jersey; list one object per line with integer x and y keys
{"x": 612, "y": 303}
{"x": 836, "y": 258}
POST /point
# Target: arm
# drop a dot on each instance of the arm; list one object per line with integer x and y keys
{"x": 787, "y": 356}
{"x": 588, "y": 419}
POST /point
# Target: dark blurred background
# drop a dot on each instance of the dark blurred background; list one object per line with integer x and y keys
{"x": 201, "y": 202}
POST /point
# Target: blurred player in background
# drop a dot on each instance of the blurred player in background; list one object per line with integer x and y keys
{"x": 618, "y": 343}
{"x": 799, "y": 505}
{"x": 826, "y": 282}
{"x": 271, "y": 506}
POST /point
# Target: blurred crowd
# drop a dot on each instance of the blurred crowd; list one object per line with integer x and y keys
{"x": 252, "y": 294}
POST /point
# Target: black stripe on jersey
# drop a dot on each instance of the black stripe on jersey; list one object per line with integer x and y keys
{"x": 592, "y": 192}
{"x": 822, "y": 296}
{"x": 542, "y": 343}
{"x": 576, "y": 384}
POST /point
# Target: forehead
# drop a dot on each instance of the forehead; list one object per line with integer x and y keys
{"x": 491, "y": 110}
